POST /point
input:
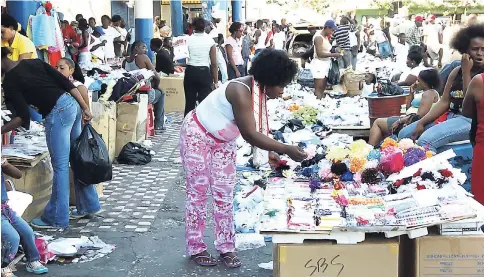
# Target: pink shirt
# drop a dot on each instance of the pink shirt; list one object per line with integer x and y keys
{"x": 236, "y": 49}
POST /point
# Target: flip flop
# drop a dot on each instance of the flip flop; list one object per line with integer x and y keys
{"x": 231, "y": 259}
{"x": 198, "y": 259}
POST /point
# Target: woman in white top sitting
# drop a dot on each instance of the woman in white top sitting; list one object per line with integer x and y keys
{"x": 208, "y": 149}
{"x": 321, "y": 62}
{"x": 201, "y": 74}
{"x": 73, "y": 72}
{"x": 414, "y": 63}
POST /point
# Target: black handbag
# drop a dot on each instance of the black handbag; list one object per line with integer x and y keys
{"x": 387, "y": 88}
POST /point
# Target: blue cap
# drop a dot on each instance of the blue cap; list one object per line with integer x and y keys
{"x": 99, "y": 29}
{"x": 331, "y": 24}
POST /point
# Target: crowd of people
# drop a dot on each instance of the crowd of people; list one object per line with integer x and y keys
{"x": 229, "y": 78}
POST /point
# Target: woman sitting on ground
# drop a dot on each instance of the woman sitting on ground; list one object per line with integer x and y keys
{"x": 139, "y": 60}
{"x": 470, "y": 42}
{"x": 33, "y": 82}
{"x": 73, "y": 72}
{"x": 15, "y": 231}
{"x": 208, "y": 149}
{"x": 414, "y": 60}
{"x": 428, "y": 82}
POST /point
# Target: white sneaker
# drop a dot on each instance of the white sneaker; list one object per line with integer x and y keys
{"x": 36, "y": 267}
{"x": 7, "y": 272}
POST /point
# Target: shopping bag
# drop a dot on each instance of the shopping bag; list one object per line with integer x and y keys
{"x": 134, "y": 154}
{"x": 334, "y": 75}
{"x": 18, "y": 201}
{"x": 90, "y": 159}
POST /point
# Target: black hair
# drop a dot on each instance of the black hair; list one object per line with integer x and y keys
{"x": 166, "y": 40}
{"x": 5, "y": 52}
{"x": 105, "y": 17}
{"x": 273, "y": 68}
{"x": 116, "y": 18}
{"x": 92, "y": 18}
{"x": 430, "y": 77}
{"x": 77, "y": 74}
{"x": 259, "y": 23}
{"x": 83, "y": 23}
{"x": 220, "y": 38}
{"x": 8, "y": 21}
{"x": 462, "y": 39}
{"x": 136, "y": 44}
{"x": 416, "y": 56}
{"x": 79, "y": 16}
{"x": 235, "y": 27}
{"x": 198, "y": 24}
{"x": 156, "y": 42}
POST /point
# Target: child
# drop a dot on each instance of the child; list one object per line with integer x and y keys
{"x": 14, "y": 230}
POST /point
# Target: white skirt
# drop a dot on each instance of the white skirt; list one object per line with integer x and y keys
{"x": 320, "y": 68}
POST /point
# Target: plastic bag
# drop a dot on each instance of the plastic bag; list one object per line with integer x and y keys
{"x": 334, "y": 75}
{"x": 90, "y": 159}
{"x": 387, "y": 88}
{"x": 305, "y": 78}
{"x": 134, "y": 154}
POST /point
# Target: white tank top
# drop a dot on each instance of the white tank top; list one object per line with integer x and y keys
{"x": 215, "y": 114}
{"x": 261, "y": 44}
{"x": 326, "y": 46}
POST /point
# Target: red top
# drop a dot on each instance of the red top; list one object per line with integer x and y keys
{"x": 480, "y": 119}
{"x": 68, "y": 33}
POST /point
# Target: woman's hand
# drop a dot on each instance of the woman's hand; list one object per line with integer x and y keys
{"x": 86, "y": 116}
{"x": 295, "y": 153}
{"x": 467, "y": 63}
{"x": 274, "y": 159}
{"x": 237, "y": 73}
{"x": 413, "y": 87}
{"x": 419, "y": 129}
{"x": 395, "y": 125}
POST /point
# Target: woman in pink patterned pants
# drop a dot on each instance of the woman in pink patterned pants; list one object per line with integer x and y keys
{"x": 207, "y": 148}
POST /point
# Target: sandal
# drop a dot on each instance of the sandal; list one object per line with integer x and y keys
{"x": 231, "y": 261}
{"x": 204, "y": 259}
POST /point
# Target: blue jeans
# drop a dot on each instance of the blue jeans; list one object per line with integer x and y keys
{"x": 232, "y": 74}
{"x": 445, "y": 72}
{"x": 384, "y": 49}
{"x": 345, "y": 60}
{"x": 354, "y": 59}
{"x": 62, "y": 128}
{"x": 157, "y": 98}
{"x": 14, "y": 231}
{"x": 455, "y": 128}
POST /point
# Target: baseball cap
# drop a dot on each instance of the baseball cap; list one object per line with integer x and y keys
{"x": 419, "y": 18}
{"x": 431, "y": 17}
{"x": 331, "y": 24}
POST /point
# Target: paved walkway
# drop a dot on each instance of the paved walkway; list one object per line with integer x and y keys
{"x": 143, "y": 216}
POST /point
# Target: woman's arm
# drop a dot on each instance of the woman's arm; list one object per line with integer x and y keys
{"x": 15, "y": 97}
{"x": 229, "y": 49}
{"x": 213, "y": 64}
{"x": 411, "y": 96}
{"x": 24, "y": 56}
{"x": 469, "y": 105}
{"x": 318, "y": 47}
{"x": 11, "y": 170}
{"x": 409, "y": 81}
{"x": 84, "y": 94}
{"x": 426, "y": 103}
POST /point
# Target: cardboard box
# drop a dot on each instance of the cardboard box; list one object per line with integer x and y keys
{"x": 174, "y": 93}
{"x": 36, "y": 181}
{"x": 128, "y": 129}
{"x": 445, "y": 256}
{"x": 72, "y": 190}
{"x": 371, "y": 258}
{"x": 105, "y": 125}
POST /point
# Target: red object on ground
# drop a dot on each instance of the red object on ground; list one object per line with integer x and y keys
{"x": 150, "y": 122}
{"x": 477, "y": 177}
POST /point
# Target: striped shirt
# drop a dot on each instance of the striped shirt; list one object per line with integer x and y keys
{"x": 199, "y": 45}
{"x": 342, "y": 36}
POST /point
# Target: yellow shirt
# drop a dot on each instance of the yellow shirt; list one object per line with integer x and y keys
{"x": 20, "y": 45}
